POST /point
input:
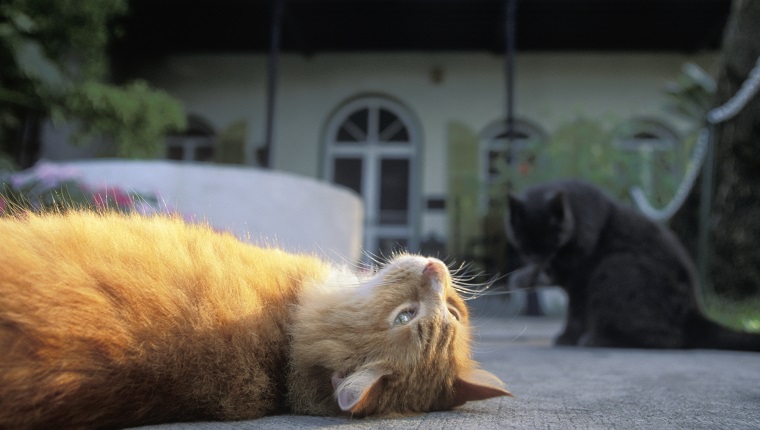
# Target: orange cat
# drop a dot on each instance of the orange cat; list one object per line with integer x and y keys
{"x": 111, "y": 320}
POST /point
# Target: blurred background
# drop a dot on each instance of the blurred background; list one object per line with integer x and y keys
{"x": 430, "y": 111}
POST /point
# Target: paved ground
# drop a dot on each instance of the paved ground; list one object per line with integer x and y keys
{"x": 578, "y": 388}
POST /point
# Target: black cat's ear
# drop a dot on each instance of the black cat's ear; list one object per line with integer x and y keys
{"x": 514, "y": 201}
{"x": 562, "y": 216}
{"x": 477, "y": 384}
{"x": 514, "y": 218}
{"x": 516, "y": 206}
{"x": 557, "y": 205}
{"x": 358, "y": 390}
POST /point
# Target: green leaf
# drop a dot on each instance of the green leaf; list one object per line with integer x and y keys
{"x": 21, "y": 21}
{"x": 32, "y": 60}
{"x": 15, "y": 97}
{"x": 7, "y": 30}
{"x": 135, "y": 116}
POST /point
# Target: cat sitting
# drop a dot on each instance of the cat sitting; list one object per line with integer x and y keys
{"x": 629, "y": 281}
{"x": 111, "y": 320}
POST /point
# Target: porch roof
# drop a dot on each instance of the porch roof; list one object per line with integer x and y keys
{"x": 312, "y": 26}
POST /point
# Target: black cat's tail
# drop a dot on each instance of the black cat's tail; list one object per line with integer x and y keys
{"x": 703, "y": 333}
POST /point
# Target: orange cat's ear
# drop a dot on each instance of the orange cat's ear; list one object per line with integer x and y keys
{"x": 477, "y": 385}
{"x": 357, "y": 390}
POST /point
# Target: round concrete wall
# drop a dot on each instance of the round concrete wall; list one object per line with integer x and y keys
{"x": 265, "y": 207}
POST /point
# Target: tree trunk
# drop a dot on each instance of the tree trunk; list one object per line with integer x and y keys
{"x": 734, "y": 255}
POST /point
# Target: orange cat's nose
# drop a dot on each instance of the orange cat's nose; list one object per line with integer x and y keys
{"x": 435, "y": 268}
{"x": 437, "y": 272}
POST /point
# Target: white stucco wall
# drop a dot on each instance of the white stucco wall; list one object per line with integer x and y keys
{"x": 551, "y": 88}
{"x": 295, "y": 213}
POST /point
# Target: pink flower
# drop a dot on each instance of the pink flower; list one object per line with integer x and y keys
{"x": 102, "y": 197}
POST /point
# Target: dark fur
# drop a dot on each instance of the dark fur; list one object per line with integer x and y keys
{"x": 629, "y": 281}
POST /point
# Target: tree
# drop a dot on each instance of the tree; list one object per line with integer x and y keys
{"x": 55, "y": 63}
{"x": 734, "y": 258}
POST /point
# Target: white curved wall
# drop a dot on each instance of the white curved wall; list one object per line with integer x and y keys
{"x": 294, "y": 213}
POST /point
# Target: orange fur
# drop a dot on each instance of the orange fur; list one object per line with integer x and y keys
{"x": 109, "y": 320}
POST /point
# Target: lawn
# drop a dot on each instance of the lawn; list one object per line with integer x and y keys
{"x": 741, "y": 315}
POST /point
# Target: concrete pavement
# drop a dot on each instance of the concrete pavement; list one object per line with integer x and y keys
{"x": 577, "y": 388}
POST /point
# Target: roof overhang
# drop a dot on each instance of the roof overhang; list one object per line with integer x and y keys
{"x": 159, "y": 27}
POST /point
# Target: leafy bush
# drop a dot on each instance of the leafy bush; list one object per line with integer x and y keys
{"x": 586, "y": 149}
{"x": 55, "y": 63}
{"x": 135, "y": 116}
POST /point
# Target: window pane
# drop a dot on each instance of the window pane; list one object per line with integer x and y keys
{"x": 348, "y": 172}
{"x": 345, "y": 135}
{"x": 360, "y": 118}
{"x": 174, "y": 152}
{"x": 392, "y": 129}
{"x": 496, "y": 161}
{"x": 400, "y": 135}
{"x": 354, "y": 128}
{"x": 388, "y": 245}
{"x": 386, "y": 118}
{"x": 204, "y": 153}
{"x": 646, "y": 135}
{"x": 394, "y": 191}
{"x": 516, "y": 135}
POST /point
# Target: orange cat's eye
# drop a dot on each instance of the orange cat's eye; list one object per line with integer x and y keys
{"x": 404, "y": 317}
{"x": 455, "y": 313}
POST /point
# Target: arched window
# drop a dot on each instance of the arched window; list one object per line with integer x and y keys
{"x": 645, "y": 134}
{"x": 500, "y": 156}
{"x": 371, "y": 147}
{"x": 196, "y": 143}
{"x": 659, "y": 150}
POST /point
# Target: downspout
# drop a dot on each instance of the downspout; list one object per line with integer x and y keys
{"x": 533, "y": 306}
{"x": 509, "y": 46}
{"x": 264, "y": 153}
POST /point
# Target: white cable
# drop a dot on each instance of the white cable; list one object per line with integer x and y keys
{"x": 690, "y": 177}
{"x": 748, "y": 89}
{"x": 717, "y": 115}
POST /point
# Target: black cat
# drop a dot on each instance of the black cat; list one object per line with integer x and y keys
{"x": 630, "y": 283}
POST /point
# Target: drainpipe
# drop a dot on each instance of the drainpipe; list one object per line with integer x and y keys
{"x": 264, "y": 154}
{"x": 532, "y": 305}
{"x": 705, "y": 208}
{"x": 509, "y": 46}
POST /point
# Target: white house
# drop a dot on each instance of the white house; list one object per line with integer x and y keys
{"x": 370, "y": 94}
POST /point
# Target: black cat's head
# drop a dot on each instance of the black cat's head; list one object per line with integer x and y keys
{"x": 539, "y": 224}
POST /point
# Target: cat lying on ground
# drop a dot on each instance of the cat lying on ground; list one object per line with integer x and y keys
{"x": 629, "y": 281}
{"x": 111, "y": 320}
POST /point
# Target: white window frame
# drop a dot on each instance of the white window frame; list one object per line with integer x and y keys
{"x": 199, "y": 134}
{"x": 489, "y": 142}
{"x": 371, "y": 151}
{"x": 665, "y": 139}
